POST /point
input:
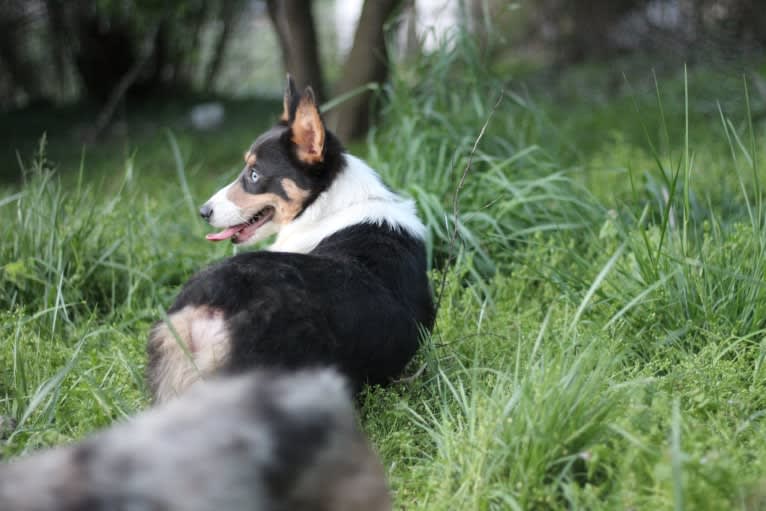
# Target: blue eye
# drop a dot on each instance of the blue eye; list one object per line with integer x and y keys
{"x": 253, "y": 175}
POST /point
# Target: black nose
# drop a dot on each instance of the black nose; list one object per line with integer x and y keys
{"x": 206, "y": 212}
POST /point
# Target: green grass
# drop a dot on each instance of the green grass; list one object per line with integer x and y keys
{"x": 601, "y": 342}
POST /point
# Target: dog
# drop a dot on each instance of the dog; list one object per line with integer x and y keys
{"x": 344, "y": 283}
{"x": 262, "y": 441}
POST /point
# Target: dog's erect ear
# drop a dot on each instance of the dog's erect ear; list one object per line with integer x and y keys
{"x": 308, "y": 129}
{"x": 291, "y": 95}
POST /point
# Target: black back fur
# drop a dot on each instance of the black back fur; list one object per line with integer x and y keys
{"x": 356, "y": 302}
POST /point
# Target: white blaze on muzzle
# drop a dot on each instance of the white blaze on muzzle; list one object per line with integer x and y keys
{"x": 224, "y": 212}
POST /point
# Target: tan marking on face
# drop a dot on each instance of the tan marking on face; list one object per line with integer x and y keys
{"x": 250, "y": 159}
{"x": 296, "y": 195}
{"x": 285, "y": 210}
{"x": 202, "y": 346}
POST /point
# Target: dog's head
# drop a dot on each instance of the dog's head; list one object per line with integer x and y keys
{"x": 285, "y": 170}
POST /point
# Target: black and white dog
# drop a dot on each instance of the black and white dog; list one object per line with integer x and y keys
{"x": 263, "y": 441}
{"x": 344, "y": 284}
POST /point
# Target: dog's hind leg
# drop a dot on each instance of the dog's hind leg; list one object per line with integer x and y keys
{"x": 190, "y": 344}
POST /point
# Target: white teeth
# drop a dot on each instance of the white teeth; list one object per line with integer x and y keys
{"x": 258, "y": 216}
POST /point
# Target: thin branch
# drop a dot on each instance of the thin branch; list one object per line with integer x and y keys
{"x": 412, "y": 377}
{"x": 456, "y": 200}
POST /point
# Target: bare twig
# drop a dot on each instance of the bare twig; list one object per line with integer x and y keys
{"x": 119, "y": 91}
{"x": 412, "y": 377}
{"x": 456, "y": 200}
{"x": 454, "y": 236}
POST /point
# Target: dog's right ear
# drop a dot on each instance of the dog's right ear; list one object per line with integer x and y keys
{"x": 307, "y": 128}
{"x": 290, "y": 100}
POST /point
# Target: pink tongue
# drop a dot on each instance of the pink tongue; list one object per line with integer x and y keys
{"x": 225, "y": 234}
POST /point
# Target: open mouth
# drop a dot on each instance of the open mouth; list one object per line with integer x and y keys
{"x": 242, "y": 232}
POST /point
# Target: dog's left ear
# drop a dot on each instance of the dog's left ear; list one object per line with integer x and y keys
{"x": 308, "y": 129}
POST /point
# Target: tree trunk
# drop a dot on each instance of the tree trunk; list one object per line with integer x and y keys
{"x": 479, "y": 23}
{"x": 23, "y": 76}
{"x": 119, "y": 91}
{"x": 367, "y": 62}
{"x": 194, "y": 19}
{"x": 59, "y": 43}
{"x": 103, "y": 53}
{"x": 589, "y": 25}
{"x": 294, "y": 25}
{"x": 227, "y": 19}
{"x": 753, "y": 21}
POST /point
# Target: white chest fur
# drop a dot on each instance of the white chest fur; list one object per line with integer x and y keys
{"x": 356, "y": 196}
